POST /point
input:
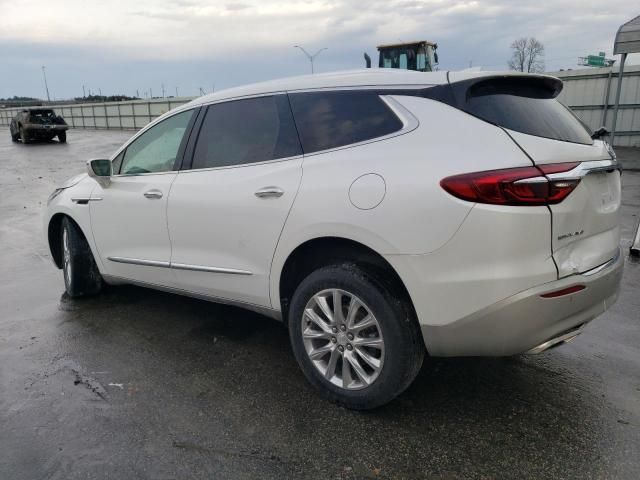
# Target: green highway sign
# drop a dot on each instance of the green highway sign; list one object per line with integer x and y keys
{"x": 595, "y": 61}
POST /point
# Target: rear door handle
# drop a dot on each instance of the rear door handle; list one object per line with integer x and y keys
{"x": 155, "y": 193}
{"x": 266, "y": 192}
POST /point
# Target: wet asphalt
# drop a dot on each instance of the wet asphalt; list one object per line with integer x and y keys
{"x": 137, "y": 384}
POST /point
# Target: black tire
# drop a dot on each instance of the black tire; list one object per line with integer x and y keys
{"x": 62, "y": 137}
{"x": 15, "y": 137}
{"x": 24, "y": 137}
{"x": 403, "y": 344}
{"x": 81, "y": 275}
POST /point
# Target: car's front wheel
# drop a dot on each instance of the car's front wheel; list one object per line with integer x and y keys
{"x": 62, "y": 137}
{"x": 355, "y": 341}
{"x": 81, "y": 274}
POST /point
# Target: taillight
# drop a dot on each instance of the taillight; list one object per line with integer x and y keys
{"x": 514, "y": 186}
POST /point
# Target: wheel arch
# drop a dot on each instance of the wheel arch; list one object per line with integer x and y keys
{"x": 322, "y": 251}
{"x": 54, "y": 236}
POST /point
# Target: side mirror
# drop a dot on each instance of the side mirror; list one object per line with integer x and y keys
{"x": 601, "y": 132}
{"x": 100, "y": 169}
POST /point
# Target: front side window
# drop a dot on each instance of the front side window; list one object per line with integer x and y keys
{"x": 156, "y": 149}
{"x": 334, "y": 119}
{"x": 246, "y": 131}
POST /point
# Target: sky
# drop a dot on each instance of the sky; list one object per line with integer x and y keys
{"x": 137, "y": 46}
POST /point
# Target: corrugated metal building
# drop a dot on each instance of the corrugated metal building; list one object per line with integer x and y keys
{"x": 590, "y": 93}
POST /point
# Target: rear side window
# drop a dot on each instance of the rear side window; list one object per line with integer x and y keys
{"x": 334, "y": 119}
{"x": 246, "y": 131}
{"x": 525, "y": 106}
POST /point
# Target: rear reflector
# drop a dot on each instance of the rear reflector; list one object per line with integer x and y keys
{"x": 563, "y": 292}
{"x": 513, "y": 186}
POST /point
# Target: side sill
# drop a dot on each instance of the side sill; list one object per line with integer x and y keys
{"x": 268, "y": 312}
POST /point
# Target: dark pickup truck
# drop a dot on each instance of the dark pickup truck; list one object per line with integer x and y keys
{"x": 38, "y": 123}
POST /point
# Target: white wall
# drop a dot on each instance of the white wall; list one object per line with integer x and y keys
{"x": 112, "y": 115}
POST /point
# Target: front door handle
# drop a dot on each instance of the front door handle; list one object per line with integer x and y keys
{"x": 269, "y": 192}
{"x": 155, "y": 193}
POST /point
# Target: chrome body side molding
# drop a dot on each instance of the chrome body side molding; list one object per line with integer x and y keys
{"x": 178, "y": 266}
{"x": 201, "y": 268}
{"x": 136, "y": 261}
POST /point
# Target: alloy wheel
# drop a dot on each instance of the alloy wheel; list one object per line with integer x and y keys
{"x": 343, "y": 339}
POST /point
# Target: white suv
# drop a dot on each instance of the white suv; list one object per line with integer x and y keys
{"x": 382, "y": 215}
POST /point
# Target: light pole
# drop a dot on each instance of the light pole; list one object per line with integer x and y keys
{"x": 46, "y": 87}
{"x": 311, "y": 57}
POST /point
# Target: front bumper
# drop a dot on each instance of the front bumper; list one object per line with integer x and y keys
{"x": 526, "y": 321}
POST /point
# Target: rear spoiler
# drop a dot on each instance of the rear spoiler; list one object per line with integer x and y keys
{"x": 458, "y": 93}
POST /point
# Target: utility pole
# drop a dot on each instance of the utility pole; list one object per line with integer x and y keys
{"x": 46, "y": 87}
{"x": 162, "y": 87}
{"x": 177, "y": 92}
{"x": 309, "y": 56}
{"x": 100, "y": 91}
{"x": 150, "y": 93}
{"x": 84, "y": 95}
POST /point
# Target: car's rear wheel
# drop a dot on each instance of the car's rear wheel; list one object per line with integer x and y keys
{"x": 24, "y": 137}
{"x": 62, "y": 137}
{"x": 15, "y": 137}
{"x": 355, "y": 341}
{"x": 81, "y": 274}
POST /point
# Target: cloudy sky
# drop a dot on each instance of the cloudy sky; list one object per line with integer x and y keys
{"x": 124, "y": 46}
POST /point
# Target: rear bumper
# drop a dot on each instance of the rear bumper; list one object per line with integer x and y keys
{"x": 526, "y": 321}
{"x": 45, "y": 130}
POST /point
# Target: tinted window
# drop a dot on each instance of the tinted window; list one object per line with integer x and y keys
{"x": 334, "y": 119}
{"x": 156, "y": 149}
{"x": 246, "y": 131}
{"x": 525, "y": 106}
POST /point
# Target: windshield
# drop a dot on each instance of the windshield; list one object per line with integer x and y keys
{"x": 41, "y": 115}
{"x": 407, "y": 58}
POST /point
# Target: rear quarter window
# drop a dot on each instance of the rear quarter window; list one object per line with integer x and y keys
{"x": 328, "y": 120}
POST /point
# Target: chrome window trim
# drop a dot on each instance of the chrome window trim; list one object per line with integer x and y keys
{"x": 410, "y": 122}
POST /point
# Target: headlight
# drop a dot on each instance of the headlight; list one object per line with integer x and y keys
{"x": 54, "y": 194}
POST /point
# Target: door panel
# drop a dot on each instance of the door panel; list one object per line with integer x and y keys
{"x": 129, "y": 226}
{"x": 218, "y": 223}
{"x": 129, "y": 216}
